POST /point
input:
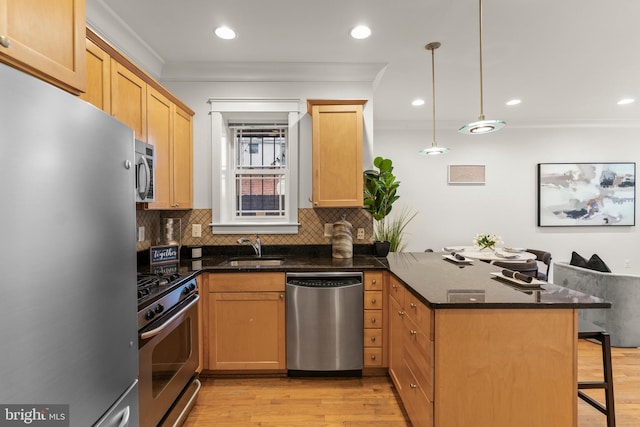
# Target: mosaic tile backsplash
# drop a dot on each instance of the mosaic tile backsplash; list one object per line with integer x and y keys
{"x": 310, "y": 232}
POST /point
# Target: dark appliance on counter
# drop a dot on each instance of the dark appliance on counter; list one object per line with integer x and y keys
{"x": 168, "y": 348}
{"x": 325, "y": 323}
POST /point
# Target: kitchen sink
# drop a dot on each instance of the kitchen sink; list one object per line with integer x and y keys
{"x": 254, "y": 262}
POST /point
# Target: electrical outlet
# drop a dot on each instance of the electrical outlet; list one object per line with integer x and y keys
{"x": 360, "y": 234}
{"x": 196, "y": 230}
{"x": 328, "y": 230}
{"x": 140, "y": 234}
{"x": 627, "y": 263}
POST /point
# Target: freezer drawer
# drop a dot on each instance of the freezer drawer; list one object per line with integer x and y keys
{"x": 123, "y": 413}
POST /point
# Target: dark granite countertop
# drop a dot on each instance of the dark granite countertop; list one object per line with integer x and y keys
{"x": 437, "y": 282}
{"x": 442, "y": 284}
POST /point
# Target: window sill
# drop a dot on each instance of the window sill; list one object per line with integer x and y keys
{"x": 255, "y": 228}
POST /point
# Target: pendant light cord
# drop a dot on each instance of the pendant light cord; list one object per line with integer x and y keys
{"x": 481, "y": 90}
{"x": 433, "y": 93}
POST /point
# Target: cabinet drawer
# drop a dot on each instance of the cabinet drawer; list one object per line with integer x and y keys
{"x": 418, "y": 406}
{"x": 418, "y": 355}
{"x": 372, "y": 319}
{"x": 373, "y": 337}
{"x": 396, "y": 290}
{"x": 372, "y": 300}
{"x": 420, "y": 314}
{"x": 373, "y": 281}
{"x": 246, "y": 282}
{"x": 372, "y": 356}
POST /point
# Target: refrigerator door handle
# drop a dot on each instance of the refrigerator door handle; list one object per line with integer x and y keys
{"x": 156, "y": 331}
{"x": 143, "y": 190}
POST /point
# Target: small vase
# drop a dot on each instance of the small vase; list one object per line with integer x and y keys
{"x": 488, "y": 248}
{"x": 381, "y": 249}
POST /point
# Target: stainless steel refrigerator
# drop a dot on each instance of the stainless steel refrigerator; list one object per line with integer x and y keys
{"x": 68, "y": 328}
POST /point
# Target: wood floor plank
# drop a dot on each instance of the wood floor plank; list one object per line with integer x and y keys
{"x": 372, "y": 401}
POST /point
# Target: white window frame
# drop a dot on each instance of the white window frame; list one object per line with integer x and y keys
{"x": 224, "y": 111}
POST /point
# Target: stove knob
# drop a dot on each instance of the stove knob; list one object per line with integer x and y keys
{"x": 192, "y": 286}
{"x": 185, "y": 291}
{"x": 158, "y": 309}
{"x": 149, "y": 315}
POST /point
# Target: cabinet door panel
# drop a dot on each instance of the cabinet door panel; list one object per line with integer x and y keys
{"x": 129, "y": 99}
{"x": 182, "y": 164}
{"x": 46, "y": 39}
{"x": 98, "y": 90}
{"x": 159, "y": 135}
{"x": 247, "y": 331}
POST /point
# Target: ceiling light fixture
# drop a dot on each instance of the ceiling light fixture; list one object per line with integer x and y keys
{"x": 482, "y": 125}
{"x": 626, "y": 101}
{"x": 417, "y": 102}
{"x": 225, "y": 33}
{"x": 513, "y": 102}
{"x": 434, "y": 149}
{"x": 360, "y": 32}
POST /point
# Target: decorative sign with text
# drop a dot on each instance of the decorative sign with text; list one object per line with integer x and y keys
{"x": 164, "y": 254}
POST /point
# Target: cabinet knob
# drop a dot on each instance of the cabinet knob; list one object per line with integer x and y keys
{"x": 4, "y": 41}
{"x": 373, "y": 300}
{"x": 413, "y": 332}
{"x": 412, "y": 305}
{"x": 413, "y": 385}
{"x": 373, "y": 339}
{"x": 373, "y": 357}
{"x": 281, "y": 296}
{"x": 373, "y": 320}
{"x": 374, "y": 281}
{"x": 400, "y": 313}
{"x": 394, "y": 286}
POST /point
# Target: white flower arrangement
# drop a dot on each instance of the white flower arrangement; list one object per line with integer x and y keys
{"x": 486, "y": 241}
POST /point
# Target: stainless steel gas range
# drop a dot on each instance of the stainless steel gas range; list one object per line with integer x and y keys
{"x": 168, "y": 348}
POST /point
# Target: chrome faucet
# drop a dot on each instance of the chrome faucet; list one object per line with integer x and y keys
{"x": 257, "y": 246}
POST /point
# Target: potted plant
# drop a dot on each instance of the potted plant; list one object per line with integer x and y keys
{"x": 380, "y": 188}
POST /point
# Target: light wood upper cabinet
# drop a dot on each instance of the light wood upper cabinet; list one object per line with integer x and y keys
{"x": 45, "y": 38}
{"x": 337, "y": 132}
{"x": 159, "y": 129}
{"x": 182, "y": 164}
{"x": 98, "y": 90}
{"x": 169, "y": 130}
{"x": 129, "y": 99}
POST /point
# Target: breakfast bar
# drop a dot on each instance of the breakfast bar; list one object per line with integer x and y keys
{"x": 469, "y": 348}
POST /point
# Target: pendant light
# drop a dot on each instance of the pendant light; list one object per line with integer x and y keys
{"x": 482, "y": 125}
{"x": 434, "y": 149}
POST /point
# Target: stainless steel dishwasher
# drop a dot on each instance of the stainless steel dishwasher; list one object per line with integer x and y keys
{"x": 325, "y": 323}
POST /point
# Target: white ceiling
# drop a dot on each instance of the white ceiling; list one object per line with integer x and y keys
{"x": 568, "y": 60}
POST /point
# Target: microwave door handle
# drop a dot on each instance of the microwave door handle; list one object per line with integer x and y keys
{"x": 143, "y": 191}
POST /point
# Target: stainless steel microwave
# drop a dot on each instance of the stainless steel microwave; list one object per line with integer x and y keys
{"x": 145, "y": 159}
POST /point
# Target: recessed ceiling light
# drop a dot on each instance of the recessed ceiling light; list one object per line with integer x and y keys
{"x": 225, "y": 33}
{"x": 514, "y": 102}
{"x": 626, "y": 101}
{"x": 360, "y": 32}
{"x": 417, "y": 102}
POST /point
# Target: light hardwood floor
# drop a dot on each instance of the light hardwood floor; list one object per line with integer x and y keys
{"x": 371, "y": 401}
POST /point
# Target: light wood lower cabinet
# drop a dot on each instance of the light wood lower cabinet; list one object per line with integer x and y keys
{"x": 482, "y": 367}
{"x": 245, "y": 322}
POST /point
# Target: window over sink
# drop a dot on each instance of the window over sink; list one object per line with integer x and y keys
{"x": 254, "y": 166}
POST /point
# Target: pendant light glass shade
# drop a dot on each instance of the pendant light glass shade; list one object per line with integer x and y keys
{"x": 434, "y": 149}
{"x": 481, "y": 125}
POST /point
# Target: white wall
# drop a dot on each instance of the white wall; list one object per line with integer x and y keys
{"x": 507, "y": 204}
{"x": 196, "y": 95}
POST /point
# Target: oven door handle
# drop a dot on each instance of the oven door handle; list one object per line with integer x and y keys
{"x": 156, "y": 331}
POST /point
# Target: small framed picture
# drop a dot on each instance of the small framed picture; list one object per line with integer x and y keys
{"x": 164, "y": 254}
{"x": 466, "y": 174}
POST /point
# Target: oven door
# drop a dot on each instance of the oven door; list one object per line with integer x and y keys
{"x": 168, "y": 351}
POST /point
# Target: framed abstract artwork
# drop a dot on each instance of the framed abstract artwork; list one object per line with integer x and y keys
{"x": 586, "y": 194}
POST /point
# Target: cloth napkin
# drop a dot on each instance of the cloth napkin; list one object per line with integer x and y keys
{"x": 517, "y": 275}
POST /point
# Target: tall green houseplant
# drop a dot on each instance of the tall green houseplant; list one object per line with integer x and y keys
{"x": 380, "y": 193}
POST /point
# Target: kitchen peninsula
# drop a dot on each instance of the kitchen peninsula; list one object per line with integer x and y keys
{"x": 463, "y": 347}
